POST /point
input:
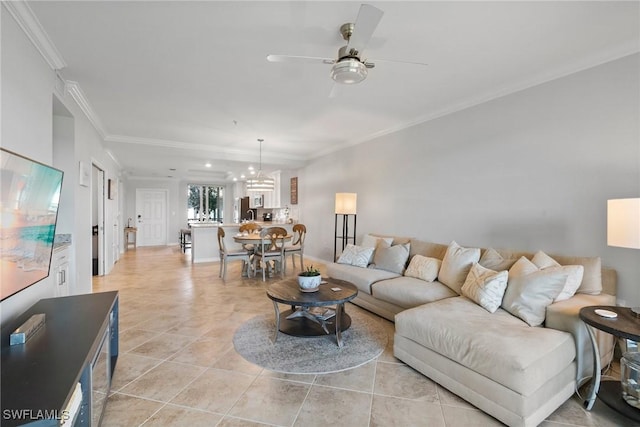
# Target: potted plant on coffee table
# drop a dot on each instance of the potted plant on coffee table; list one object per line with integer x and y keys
{"x": 309, "y": 280}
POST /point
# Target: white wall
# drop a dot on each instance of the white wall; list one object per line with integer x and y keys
{"x": 532, "y": 170}
{"x": 26, "y": 125}
{"x": 27, "y": 128}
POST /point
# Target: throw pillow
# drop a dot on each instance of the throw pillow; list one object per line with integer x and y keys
{"x": 422, "y": 267}
{"x": 355, "y": 255}
{"x": 392, "y": 259}
{"x": 371, "y": 241}
{"x": 522, "y": 267}
{"x": 528, "y": 295}
{"x": 492, "y": 260}
{"x": 485, "y": 287}
{"x": 456, "y": 265}
{"x": 542, "y": 260}
{"x": 574, "y": 274}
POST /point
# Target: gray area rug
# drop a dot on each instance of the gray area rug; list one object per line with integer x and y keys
{"x": 365, "y": 340}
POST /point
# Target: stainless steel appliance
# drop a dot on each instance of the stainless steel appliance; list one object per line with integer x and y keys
{"x": 256, "y": 201}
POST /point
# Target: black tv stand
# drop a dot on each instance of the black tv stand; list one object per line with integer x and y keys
{"x": 77, "y": 344}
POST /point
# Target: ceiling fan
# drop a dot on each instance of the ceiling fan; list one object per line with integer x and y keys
{"x": 349, "y": 67}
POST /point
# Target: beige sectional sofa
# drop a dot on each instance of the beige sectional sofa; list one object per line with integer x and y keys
{"x": 517, "y": 373}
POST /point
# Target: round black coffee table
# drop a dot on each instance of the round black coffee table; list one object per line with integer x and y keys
{"x": 625, "y": 325}
{"x": 309, "y": 314}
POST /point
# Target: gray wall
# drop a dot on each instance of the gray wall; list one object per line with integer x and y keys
{"x": 531, "y": 170}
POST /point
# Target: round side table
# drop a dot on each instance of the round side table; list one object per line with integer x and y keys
{"x": 625, "y": 325}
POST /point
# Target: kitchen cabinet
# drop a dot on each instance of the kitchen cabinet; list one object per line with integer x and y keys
{"x": 60, "y": 269}
{"x": 272, "y": 198}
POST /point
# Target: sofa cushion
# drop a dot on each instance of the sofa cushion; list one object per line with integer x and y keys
{"x": 358, "y": 256}
{"x": 424, "y": 268}
{"x": 466, "y": 333}
{"x": 530, "y": 291}
{"x": 433, "y": 250}
{"x": 392, "y": 259}
{"x": 410, "y": 292}
{"x": 485, "y": 287}
{"x": 456, "y": 265}
{"x": 362, "y": 278}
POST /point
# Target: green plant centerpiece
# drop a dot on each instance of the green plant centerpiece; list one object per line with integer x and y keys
{"x": 309, "y": 280}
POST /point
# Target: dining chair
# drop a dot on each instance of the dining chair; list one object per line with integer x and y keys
{"x": 249, "y": 227}
{"x": 270, "y": 248}
{"x": 296, "y": 246}
{"x": 229, "y": 251}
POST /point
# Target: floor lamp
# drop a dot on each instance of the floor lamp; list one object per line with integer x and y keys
{"x": 623, "y": 226}
{"x": 345, "y": 207}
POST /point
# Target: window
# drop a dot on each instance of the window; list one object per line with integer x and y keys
{"x": 204, "y": 202}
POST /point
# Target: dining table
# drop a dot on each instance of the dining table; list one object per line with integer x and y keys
{"x": 246, "y": 238}
{"x": 253, "y": 238}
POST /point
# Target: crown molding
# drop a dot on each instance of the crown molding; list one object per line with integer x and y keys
{"x": 73, "y": 88}
{"x": 623, "y": 51}
{"x": 27, "y": 20}
{"x": 226, "y": 152}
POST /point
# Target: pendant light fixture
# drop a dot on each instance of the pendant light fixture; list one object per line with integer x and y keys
{"x": 260, "y": 182}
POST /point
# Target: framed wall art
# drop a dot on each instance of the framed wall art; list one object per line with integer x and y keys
{"x": 294, "y": 190}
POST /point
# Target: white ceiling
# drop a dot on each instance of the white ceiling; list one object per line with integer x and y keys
{"x": 177, "y": 84}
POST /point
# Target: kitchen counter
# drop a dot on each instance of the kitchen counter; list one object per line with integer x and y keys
{"x": 204, "y": 237}
{"x": 238, "y": 224}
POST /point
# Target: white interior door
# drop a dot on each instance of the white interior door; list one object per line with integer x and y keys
{"x": 151, "y": 217}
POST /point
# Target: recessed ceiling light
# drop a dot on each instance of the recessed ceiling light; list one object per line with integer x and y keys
{"x": 250, "y": 168}
{"x": 242, "y": 176}
{"x": 235, "y": 179}
{"x": 252, "y": 172}
{"x": 207, "y": 165}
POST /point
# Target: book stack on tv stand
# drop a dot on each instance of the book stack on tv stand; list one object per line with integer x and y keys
{"x": 62, "y": 374}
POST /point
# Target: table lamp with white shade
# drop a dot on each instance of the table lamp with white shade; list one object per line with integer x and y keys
{"x": 346, "y": 205}
{"x": 623, "y": 226}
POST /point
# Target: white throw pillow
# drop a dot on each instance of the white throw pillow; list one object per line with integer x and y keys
{"x": 530, "y": 292}
{"x": 485, "y": 287}
{"x": 574, "y": 273}
{"x": 371, "y": 241}
{"x": 392, "y": 259}
{"x": 456, "y": 264}
{"x": 492, "y": 260}
{"x": 355, "y": 255}
{"x": 424, "y": 268}
{"x": 522, "y": 267}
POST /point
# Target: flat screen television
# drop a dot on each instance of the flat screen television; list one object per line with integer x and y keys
{"x": 29, "y": 197}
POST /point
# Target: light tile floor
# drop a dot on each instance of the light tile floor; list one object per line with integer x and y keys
{"x": 177, "y": 365}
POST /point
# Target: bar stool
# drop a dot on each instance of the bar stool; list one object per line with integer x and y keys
{"x": 185, "y": 239}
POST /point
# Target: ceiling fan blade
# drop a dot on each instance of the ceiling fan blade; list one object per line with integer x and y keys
{"x": 366, "y": 23}
{"x": 335, "y": 91}
{"x": 300, "y": 59}
{"x": 398, "y": 62}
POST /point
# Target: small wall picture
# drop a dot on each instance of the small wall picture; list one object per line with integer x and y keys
{"x": 112, "y": 189}
{"x": 294, "y": 190}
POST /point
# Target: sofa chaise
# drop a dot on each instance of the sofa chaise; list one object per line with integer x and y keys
{"x": 497, "y": 361}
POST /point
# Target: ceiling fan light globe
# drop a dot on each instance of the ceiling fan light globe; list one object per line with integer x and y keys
{"x": 348, "y": 71}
